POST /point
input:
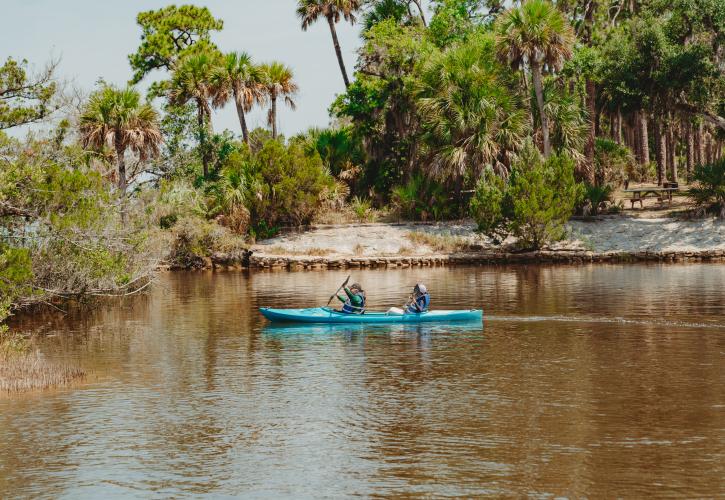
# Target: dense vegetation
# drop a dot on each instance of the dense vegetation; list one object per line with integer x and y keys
{"x": 515, "y": 116}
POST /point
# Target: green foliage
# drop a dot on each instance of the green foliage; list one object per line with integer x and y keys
{"x": 195, "y": 239}
{"x": 613, "y": 163}
{"x": 362, "y": 209}
{"x": 709, "y": 190}
{"x": 533, "y": 205}
{"x": 596, "y": 198}
{"x": 423, "y": 199}
{"x": 454, "y": 20}
{"x": 292, "y": 185}
{"x": 169, "y": 33}
{"x": 471, "y": 115}
{"x": 24, "y": 98}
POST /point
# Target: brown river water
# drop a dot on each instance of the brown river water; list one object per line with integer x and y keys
{"x": 599, "y": 381}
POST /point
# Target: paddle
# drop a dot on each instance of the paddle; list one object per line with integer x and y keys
{"x": 338, "y": 291}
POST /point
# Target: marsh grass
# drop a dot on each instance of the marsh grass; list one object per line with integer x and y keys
{"x": 28, "y": 371}
{"x": 446, "y": 243}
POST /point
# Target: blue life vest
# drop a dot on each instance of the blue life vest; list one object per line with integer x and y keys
{"x": 347, "y": 307}
{"x": 420, "y": 304}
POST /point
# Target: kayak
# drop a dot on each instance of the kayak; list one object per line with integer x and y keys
{"x": 328, "y": 315}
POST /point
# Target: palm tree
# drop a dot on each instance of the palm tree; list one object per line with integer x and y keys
{"x": 310, "y": 10}
{"x": 192, "y": 81}
{"x": 536, "y": 34}
{"x": 117, "y": 118}
{"x": 278, "y": 82}
{"x": 239, "y": 78}
{"x": 471, "y": 114}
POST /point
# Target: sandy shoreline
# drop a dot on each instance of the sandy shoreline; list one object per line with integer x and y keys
{"x": 603, "y": 239}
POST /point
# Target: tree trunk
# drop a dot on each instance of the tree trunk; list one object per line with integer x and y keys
{"x": 273, "y": 116}
{"x": 690, "y": 150}
{"x": 643, "y": 137}
{"x": 671, "y": 153}
{"x": 618, "y": 126}
{"x": 242, "y": 119}
{"x": 202, "y": 139}
{"x": 699, "y": 145}
{"x": 121, "y": 160}
{"x": 592, "y": 133}
{"x": 420, "y": 9}
{"x": 336, "y": 43}
{"x": 660, "y": 150}
{"x": 538, "y": 89}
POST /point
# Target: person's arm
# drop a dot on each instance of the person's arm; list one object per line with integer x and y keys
{"x": 350, "y": 295}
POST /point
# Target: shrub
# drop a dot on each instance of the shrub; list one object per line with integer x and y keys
{"x": 709, "y": 190}
{"x": 195, "y": 238}
{"x": 596, "y": 198}
{"x": 423, "y": 199}
{"x": 533, "y": 205}
{"x": 362, "y": 209}
{"x": 292, "y": 186}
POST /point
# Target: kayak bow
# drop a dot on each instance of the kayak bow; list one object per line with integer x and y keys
{"x": 328, "y": 315}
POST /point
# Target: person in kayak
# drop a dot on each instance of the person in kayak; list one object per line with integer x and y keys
{"x": 420, "y": 300}
{"x": 354, "y": 303}
{"x": 417, "y": 303}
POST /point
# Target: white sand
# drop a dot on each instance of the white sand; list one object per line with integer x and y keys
{"x": 613, "y": 233}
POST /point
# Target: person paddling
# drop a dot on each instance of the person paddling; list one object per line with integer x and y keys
{"x": 417, "y": 303}
{"x": 420, "y": 299}
{"x": 354, "y": 303}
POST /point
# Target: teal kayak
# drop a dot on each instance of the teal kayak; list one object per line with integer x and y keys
{"x": 328, "y": 315}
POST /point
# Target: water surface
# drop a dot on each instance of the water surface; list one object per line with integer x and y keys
{"x": 594, "y": 381}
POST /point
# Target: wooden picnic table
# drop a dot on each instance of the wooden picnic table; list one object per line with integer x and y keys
{"x": 661, "y": 193}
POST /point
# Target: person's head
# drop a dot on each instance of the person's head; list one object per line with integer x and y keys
{"x": 420, "y": 289}
{"x": 356, "y": 288}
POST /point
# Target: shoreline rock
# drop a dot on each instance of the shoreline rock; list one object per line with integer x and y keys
{"x": 262, "y": 261}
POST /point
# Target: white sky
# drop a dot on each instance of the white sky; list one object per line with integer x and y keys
{"x": 94, "y": 37}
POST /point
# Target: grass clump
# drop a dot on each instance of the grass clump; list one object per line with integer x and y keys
{"x": 280, "y": 250}
{"x": 446, "y": 243}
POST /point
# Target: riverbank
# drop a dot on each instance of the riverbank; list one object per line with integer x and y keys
{"x": 618, "y": 238}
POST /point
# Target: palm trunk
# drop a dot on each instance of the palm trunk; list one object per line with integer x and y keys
{"x": 618, "y": 126}
{"x": 273, "y": 116}
{"x": 242, "y": 119}
{"x": 699, "y": 145}
{"x": 591, "y": 138}
{"x": 202, "y": 139}
{"x": 690, "y": 150}
{"x": 121, "y": 161}
{"x": 336, "y": 43}
{"x": 660, "y": 150}
{"x": 538, "y": 89}
{"x": 671, "y": 152}
{"x": 643, "y": 137}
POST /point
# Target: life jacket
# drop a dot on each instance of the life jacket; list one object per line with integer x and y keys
{"x": 420, "y": 304}
{"x": 347, "y": 307}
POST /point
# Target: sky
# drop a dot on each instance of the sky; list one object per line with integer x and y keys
{"x": 93, "y": 38}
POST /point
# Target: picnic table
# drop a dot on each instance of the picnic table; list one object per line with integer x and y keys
{"x": 662, "y": 193}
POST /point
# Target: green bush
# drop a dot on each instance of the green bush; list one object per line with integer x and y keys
{"x": 423, "y": 199}
{"x": 291, "y": 186}
{"x": 709, "y": 190}
{"x": 533, "y": 205}
{"x": 595, "y": 198}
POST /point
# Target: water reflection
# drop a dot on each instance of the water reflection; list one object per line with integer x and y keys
{"x": 587, "y": 381}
